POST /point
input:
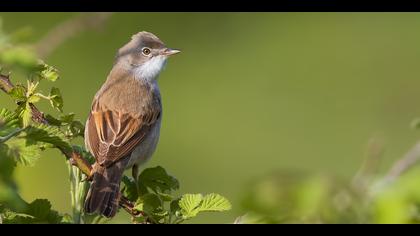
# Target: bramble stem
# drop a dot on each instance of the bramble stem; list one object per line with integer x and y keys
{"x": 76, "y": 159}
{"x": 78, "y": 190}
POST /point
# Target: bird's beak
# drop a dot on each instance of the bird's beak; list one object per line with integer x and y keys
{"x": 170, "y": 51}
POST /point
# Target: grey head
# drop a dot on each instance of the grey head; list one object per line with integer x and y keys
{"x": 145, "y": 55}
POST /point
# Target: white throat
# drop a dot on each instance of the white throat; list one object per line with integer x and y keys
{"x": 150, "y": 70}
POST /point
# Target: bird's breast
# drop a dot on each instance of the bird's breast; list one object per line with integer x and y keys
{"x": 145, "y": 149}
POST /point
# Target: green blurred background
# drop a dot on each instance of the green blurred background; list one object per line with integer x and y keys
{"x": 250, "y": 94}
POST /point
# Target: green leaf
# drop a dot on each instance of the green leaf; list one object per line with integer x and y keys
{"x": 25, "y": 154}
{"x": 32, "y": 86}
{"x": 67, "y": 119}
{"x": 38, "y": 211}
{"x": 214, "y": 202}
{"x": 7, "y": 164}
{"x": 22, "y": 57}
{"x": 153, "y": 206}
{"x": 165, "y": 197}
{"x": 9, "y": 197}
{"x": 67, "y": 219}
{"x": 33, "y": 99}
{"x": 9, "y": 122}
{"x": 139, "y": 204}
{"x": 10, "y": 217}
{"x": 56, "y": 99}
{"x": 158, "y": 180}
{"x": 39, "y": 208}
{"x": 48, "y": 72}
{"x": 47, "y": 134}
{"x": 25, "y": 113}
{"x": 174, "y": 207}
{"x": 129, "y": 189}
{"x": 52, "y": 120}
{"x": 76, "y": 128}
{"x": 189, "y": 205}
{"x": 18, "y": 93}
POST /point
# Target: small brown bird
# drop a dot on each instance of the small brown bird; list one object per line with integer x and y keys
{"x": 123, "y": 127}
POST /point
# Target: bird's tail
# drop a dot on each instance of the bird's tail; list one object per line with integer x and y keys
{"x": 104, "y": 192}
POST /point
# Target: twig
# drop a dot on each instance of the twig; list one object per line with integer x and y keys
{"x": 74, "y": 157}
{"x": 407, "y": 161}
{"x": 370, "y": 165}
{"x": 5, "y": 83}
{"x": 69, "y": 28}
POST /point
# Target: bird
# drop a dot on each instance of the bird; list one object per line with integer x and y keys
{"x": 123, "y": 126}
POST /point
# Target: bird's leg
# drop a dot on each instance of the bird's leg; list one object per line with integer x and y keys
{"x": 83, "y": 165}
{"x": 88, "y": 178}
{"x": 135, "y": 174}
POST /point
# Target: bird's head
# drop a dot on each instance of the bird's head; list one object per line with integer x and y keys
{"x": 145, "y": 55}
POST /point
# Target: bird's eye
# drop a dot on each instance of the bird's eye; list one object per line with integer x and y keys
{"x": 146, "y": 51}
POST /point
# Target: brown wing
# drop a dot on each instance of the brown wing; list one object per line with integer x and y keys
{"x": 113, "y": 134}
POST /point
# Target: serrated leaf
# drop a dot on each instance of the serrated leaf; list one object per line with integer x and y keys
{"x": 67, "y": 219}
{"x": 174, "y": 206}
{"x": 67, "y": 119}
{"x": 189, "y": 205}
{"x": 42, "y": 212}
{"x": 25, "y": 154}
{"x": 33, "y": 99}
{"x": 18, "y": 92}
{"x": 129, "y": 189}
{"x": 56, "y": 99}
{"x": 7, "y": 163}
{"x": 139, "y": 204}
{"x": 25, "y": 113}
{"x": 38, "y": 211}
{"x": 214, "y": 202}
{"x": 158, "y": 180}
{"x": 52, "y": 120}
{"x": 47, "y": 134}
{"x": 9, "y": 122}
{"x": 165, "y": 197}
{"x": 31, "y": 87}
{"x": 151, "y": 202}
{"x": 49, "y": 73}
{"x": 76, "y": 128}
{"x": 153, "y": 207}
{"x": 10, "y": 217}
{"x": 39, "y": 208}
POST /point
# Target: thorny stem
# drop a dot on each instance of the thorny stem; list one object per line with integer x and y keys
{"x": 75, "y": 158}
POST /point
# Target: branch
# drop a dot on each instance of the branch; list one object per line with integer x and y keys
{"x": 5, "y": 83}
{"x": 406, "y": 162}
{"x": 370, "y": 165}
{"x": 69, "y": 28}
{"x": 75, "y": 158}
